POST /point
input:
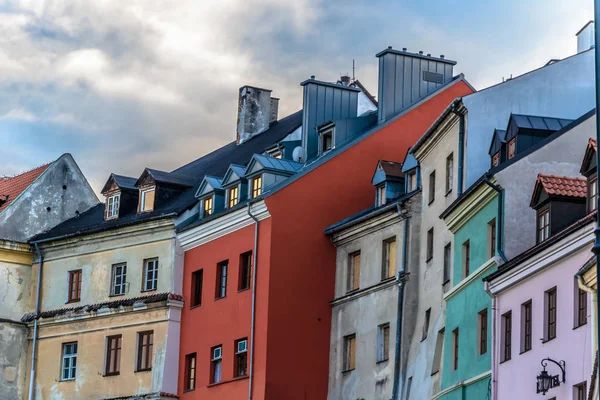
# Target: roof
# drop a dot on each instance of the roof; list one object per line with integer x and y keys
{"x": 123, "y": 182}
{"x": 78, "y": 310}
{"x": 451, "y": 107}
{"x": 392, "y": 168}
{"x": 366, "y": 92}
{"x": 562, "y": 186}
{"x": 538, "y": 248}
{"x": 11, "y": 188}
{"x": 499, "y": 136}
{"x": 416, "y": 55}
{"x": 589, "y": 264}
{"x": 275, "y": 164}
{"x": 169, "y": 178}
{"x": 542, "y": 123}
{"x": 410, "y": 162}
{"x": 588, "y": 156}
{"x": 215, "y": 163}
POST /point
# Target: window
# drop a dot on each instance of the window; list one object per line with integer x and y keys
{"x": 381, "y": 196}
{"x": 429, "y": 244}
{"x": 383, "y": 342}
{"x": 326, "y": 140}
{"x": 580, "y": 306}
{"x": 437, "y": 357}
{"x": 506, "y": 336}
{"x": 245, "y": 271}
{"x": 119, "y": 279}
{"x": 113, "y": 355}
{"x": 492, "y": 238}
{"x": 234, "y": 196}
{"x": 431, "y": 187}
{"x": 580, "y": 391}
{"x": 526, "y": 326}
{"x": 466, "y": 258}
{"x": 150, "y": 274}
{"x": 241, "y": 357}
{"x": 222, "y": 279}
{"x": 543, "y": 225}
{"x": 69, "y": 361}
{"x": 512, "y": 146}
{"x": 74, "y": 286}
{"x": 455, "y": 349}
{"x": 144, "y": 351}
{"x": 550, "y": 320}
{"x": 483, "y": 330}
{"x": 495, "y": 160}
{"x": 216, "y": 364}
{"x": 447, "y": 262}
{"x": 449, "y": 173}
{"x": 412, "y": 182}
{"x": 190, "y": 372}
{"x": 593, "y": 194}
{"x": 147, "y": 200}
{"x": 389, "y": 258}
{"x": 256, "y": 186}
{"x": 207, "y": 207}
{"x": 349, "y": 353}
{"x": 197, "y": 287}
{"x": 353, "y": 278}
{"x": 112, "y": 206}
{"x": 426, "y": 324}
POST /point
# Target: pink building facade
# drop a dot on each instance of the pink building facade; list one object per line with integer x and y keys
{"x": 541, "y": 314}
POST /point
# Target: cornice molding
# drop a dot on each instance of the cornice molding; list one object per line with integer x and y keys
{"x": 16, "y": 253}
{"x": 367, "y": 227}
{"x": 470, "y": 207}
{"x": 460, "y": 384}
{"x": 364, "y": 292}
{"x": 223, "y": 226}
{"x": 472, "y": 277}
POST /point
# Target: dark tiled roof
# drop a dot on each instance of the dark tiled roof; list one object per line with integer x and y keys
{"x": 392, "y": 168}
{"x": 215, "y": 163}
{"x": 11, "y": 188}
{"x": 125, "y": 182}
{"x": 148, "y": 299}
{"x": 541, "y": 123}
{"x": 169, "y": 178}
{"x": 542, "y": 246}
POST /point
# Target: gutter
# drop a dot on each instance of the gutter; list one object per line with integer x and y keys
{"x": 461, "y": 145}
{"x": 35, "y": 323}
{"x": 486, "y": 286}
{"x": 401, "y": 278}
{"x": 253, "y": 317}
{"x": 500, "y": 230}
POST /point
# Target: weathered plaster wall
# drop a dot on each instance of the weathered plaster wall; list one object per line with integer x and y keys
{"x": 430, "y": 272}
{"x": 51, "y": 199}
{"x": 562, "y": 157}
{"x": 13, "y": 345}
{"x": 90, "y": 335}
{"x": 15, "y": 287}
{"x": 564, "y": 89}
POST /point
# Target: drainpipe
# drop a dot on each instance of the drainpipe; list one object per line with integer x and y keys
{"x": 401, "y": 280}
{"x": 35, "y": 321}
{"x": 499, "y": 218}
{"x": 594, "y": 293}
{"x": 252, "y": 326}
{"x": 461, "y": 146}
{"x": 486, "y": 286}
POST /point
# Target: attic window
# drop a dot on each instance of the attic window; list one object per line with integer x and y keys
{"x": 495, "y": 160}
{"x": 412, "y": 181}
{"x": 147, "y": 200}
{"x": 543, "y": 227}
{"x": 112, "y": 206}
{"x": 326, "y": 140}
{"x": 592, "y": 194}
{"x": 207, "y": 207}
{"x": 256, "y": 186}
{"x": 381, "y": 197}
{"x": 233, "y": 196}
{"x": 512, "y": 145}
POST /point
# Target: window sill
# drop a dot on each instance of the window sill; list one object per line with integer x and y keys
{"x": 196, "y": 306}
{"x": 189, "y": 390}
{"x": 143, "y": 370}
{"x": 112, "y": 374}
{"x": 435, "y": 372}
{"x": 352, "y": 291}
{"x": 220, "y": 298}
{"x": 447, "y": 281}
{"x": 504, "y": 361}
{"x": 243, "y": 290}
{"x": 67, "y": 380}
{"x": 73, "y": 301}
{"x": 525, "y": 351}
{"x": 431, "y": 202}
{"x": 548, "y": 340}
{"x": 239, "y": 378}
{"x": 148, "y": 290}
{"x": 429, "y": 259}
{"x": 579, "y": 326}
{"x": 347, "y": 371}
{"x": 116, "y": 295}
{"x": 387, "y": 279}
{"x": 423, "y": 339}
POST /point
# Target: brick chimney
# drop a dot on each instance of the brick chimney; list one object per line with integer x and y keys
{"x": 255, "y": 112}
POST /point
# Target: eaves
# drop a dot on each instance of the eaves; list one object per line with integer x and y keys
{"x": 470, "y": 206}
{"x": 374, "y": 224}
{"x": 435, "y": 136}
{"x": 476, "y": 275}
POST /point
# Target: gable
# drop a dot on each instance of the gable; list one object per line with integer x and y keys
{"x": 234, "y": 174}
{"x": 589, "y": 158}
{"x": 210, "y": 184}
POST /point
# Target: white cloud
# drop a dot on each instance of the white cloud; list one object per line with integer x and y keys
{"x": 19, "y": 114}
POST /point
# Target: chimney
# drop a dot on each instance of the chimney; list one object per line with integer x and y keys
{"x": 406, "y": 78}
{"x": 254, "y": 112}
{"x": 345, "y": 80}
{"x": 274, "y": 109}
{"x": 585, "y": 37}
{"x": 324, "y": 102}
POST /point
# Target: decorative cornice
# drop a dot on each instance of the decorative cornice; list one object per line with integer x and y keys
{"x": 436, "y": 136}
{"x": 364, "y": 292}
{"x": 475, "y": 275}
{"x": 223, "y": 226}
{"x": 364, "y": 228}
{"x": 468, "y": 208}
{"x": 460, "y": 384}
{"x": 15, "y": 252}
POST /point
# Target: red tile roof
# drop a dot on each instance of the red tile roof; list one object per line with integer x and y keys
{"x": 12, "y": 187}
{"x": 563, "y": 185}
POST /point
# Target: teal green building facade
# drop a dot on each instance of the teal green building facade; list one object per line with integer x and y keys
{"x": 467, "y": 350}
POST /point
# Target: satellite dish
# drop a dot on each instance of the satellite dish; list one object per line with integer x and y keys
{"x": 298, "y": 154}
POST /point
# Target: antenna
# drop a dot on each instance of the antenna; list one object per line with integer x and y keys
{"x": 353, "y": 77}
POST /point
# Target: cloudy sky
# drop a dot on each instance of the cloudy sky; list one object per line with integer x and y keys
{"x": 126, "y": 84}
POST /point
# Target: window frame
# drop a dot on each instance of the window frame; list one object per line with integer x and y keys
{"x": 426, "y": 322}
{"x": 231, "y": 200}
{"x": 72, "y": 370}
{"x": 411, "y": 181}
{"x": 145, "y": 351}
{"x": 449, "y": 173}
{"x": 154, "y": 280}
{"x": 113, "y": 281}
{"x": 381, "y": 195}
{"x": 455, "y": 348}
{"x": 214, "y": 363}
{"x": 526, "y": 326}
{"x": 349, "y": 353}
{"x": 430, "y": 244}
{"x": 256, "y": 190}
{"x": 74, "y": 286}
{"x": 495, "y": 159}
{"x": 511, "y": 143}
{"x": 447, "y": 263}
{"x": 466, "y": 259}
{"x": 328, "y": 133}
{"x": 240, "y": 358}
{"x": 482, "y": 332}
{"x": 112, "y": 356}
{"x": 550, "y": 314}
{"x": 112, "y": 210}
{"x": 580, "y": 391}
{"x": 208, "y": 211}
{"x": 222, "y": 278}
{"x": 191, "y": 365}
{"x": 196, "y": 290}
{"x": 245, "y": 271}
{"x": 581, "y": 298}
{"x": 431, "y": 191}
{"x": 543, "y": 232}
{"x": 143, "y": 193}
{"x": 353, "y": 272}
{"x": 383, "y": 342}
{"x": 592, "y": 194}
{"x": 492, "y": 238}
{"x": 388, "y": 258}
{"x": 506, "y": 339}
{"x": 438, "y": 353}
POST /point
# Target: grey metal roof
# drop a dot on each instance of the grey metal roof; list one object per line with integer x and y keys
{"x": 238, "y": 170}
{"x": 416, "y": 55}
{"x": 542, "y": 123}
{"x": 272, "y": 163}
{"x": 214, "y": 183}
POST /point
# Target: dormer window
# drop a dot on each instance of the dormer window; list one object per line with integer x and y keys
{"x": 112, "y": 206}
{"x": 495, "y": 160}
{"x": 512, "y": 147}
{"x": 207, "y": 207}
{"x": 327, "y": 140}
{"x": 381, "y": 197}
{"x": 543, "y": 226}
{"x": 256, "y": 186}
{"x": 233, "y": 196}
{"x": 592, "y": 194}
{"x": 411, "y": 181}
{"x": 147, "y": 200}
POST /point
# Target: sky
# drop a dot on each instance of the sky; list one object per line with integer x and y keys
{"x": 123, "y": 85}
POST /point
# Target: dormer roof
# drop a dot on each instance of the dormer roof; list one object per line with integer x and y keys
{"x": 410, "y": 162}
{"x": 120, "y": 181}
{"x": 498, "y": 139}
{"x": 558, "y": 186}
{"x": 589, "y": 157}
{"x": 531, "y": 124}
{"x": 210, "y": 184}
{"x": 155, "y": 176}
{"x": 235, "y": 173}
{"x": 387, "y": 171}
{"x": 260, "y": 162}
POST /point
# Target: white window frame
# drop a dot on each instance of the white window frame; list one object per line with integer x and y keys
{"x": 68, "y": 359}
{"x": 381, "y": 356}
{"x": 122, "y": 285}
{"x": 381, "y": 195}
{"x": 143, "y": 199}
{"x": 112, "y": 205}
{"x": 148, "y": 279}
{"x": 328, "y": 132}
